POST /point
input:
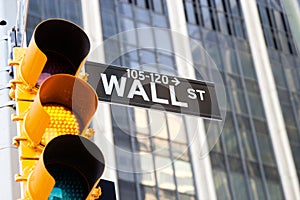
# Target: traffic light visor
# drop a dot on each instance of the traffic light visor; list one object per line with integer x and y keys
{"x": 57, "y": 46}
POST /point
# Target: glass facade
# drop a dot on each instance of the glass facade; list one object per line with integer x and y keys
{"x": 39, "y": 10}
{"x": 154, "y": 142}
{"x": 285, "y": 62}
{"x": 243, "y": 162}
{"x": 152, "y": 149}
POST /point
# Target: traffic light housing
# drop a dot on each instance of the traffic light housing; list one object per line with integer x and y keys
{"x": 53, "y": 110}
{"x": 56, "y": 47}
{"x": 69, "y": 168}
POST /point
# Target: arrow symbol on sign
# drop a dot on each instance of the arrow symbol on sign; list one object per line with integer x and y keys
{"x": 176, "y": 81}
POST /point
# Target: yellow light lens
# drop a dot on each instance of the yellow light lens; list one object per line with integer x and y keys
{"x": 62, "y": 122}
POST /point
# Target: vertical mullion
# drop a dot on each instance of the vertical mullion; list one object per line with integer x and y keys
{"x": 239, "y": 140}
{"x": 172, "y": 158}
{"x": 198, "y": 17}
{"x": 133, "y": 148}
{"x": 296, "y": 118}
{"x": 153, "y": 157}
{"x": 253, "y": 131}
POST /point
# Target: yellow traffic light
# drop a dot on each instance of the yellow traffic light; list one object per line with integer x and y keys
{"x": 54, "y": 109}
{"x": 64, "y": 104}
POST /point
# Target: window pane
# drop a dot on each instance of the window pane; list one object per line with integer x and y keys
{"x": 248, "y": 145}
{"x": 217, "y": 160}
{"x": 219, "y": 5}
{"x": 247, "y": 65}
{"x": 269, "y": 37}
{"x": 213, "y": 51}
{"x": 288, "y": 115}
{"x": 147, "y": 57}
{"x": 292, "y": 78}
{"x": 163, "y": 40}
{"x": 239, "y": 101}
{"x": 189, "y": 11}
{"x": 50, "y": 9}
{"x": 70, "y": 10}
{"x": 124, "y": 163}
{"x": 204, "y": 2}
{"x": 234, "y": 7}
{"x": 180, "y": 151}
{"x": 230, "y": 61}
{"x": 124, "y": 8}
{"x": 238, "y": 28}
{"x": 284, "y": 42}
{"x": 229, "y": 136}
{"x": 263, "y": 15}
{"x": 141, "y": 3}
{"x": 119, "y": 117}
{"x": 159, "y": 20}
{"x": 141, "y": 119}
{"x": 142, "y": 15}
{"x": 143, "y": 143}
{"x": 243, "y": 123}
{"x": 126, "y": 24}
{"x": 279, "y": 22}
{"x": 165, "y": 60}
{"x": 275, "y": 191}
{"x": 206, "y": 18}
{"x": 257, "y": 188}
{"x": 223, "y": 23}
{"x": 106, "y": 4}
{"x": 158, "y": 124}
{"x": 165, "y": 173}
{"x": 161, "y": 147}
{"x": 260, "y": 126}
{"x": 176, "y": 128}
{"x": 256, "y": 105}
{"x": 127, "y": 190}
{"x": 158, "y": 6}
{"x": 167, "y": 195}
{"x": 109, "y": 24}
{"x": 266, "y": 149}
{"x": 221, "y": 185}
{"x": 145, "y": 40}
{"x": 239, "y": 186}
{"x": 184, "y": 177}
{"x": 147, "y": 169}
{"x": 148, "y": 193}
{"x": 186, "y": 197}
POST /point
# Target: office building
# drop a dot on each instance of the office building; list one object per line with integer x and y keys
{"x": 254, "y": 152}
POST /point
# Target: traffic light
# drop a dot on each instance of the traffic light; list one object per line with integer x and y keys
{"x": 53, "y": 110}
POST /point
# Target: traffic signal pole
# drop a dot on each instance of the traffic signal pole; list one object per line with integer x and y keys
{"x": 9, "y": 189}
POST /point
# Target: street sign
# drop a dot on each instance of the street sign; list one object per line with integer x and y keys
{"x": 153, "y": 90}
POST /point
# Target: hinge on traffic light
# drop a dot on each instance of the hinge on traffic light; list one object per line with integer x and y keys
{"x": 84, "y": 76}
{"x": 95, "y": 194}
{"x": 20, "y": 178}
{"x": 18, "y": 56}
{"x": 17, "y": 140}
{"x": 16, "y": 118}
{"x": 88, "y": 133}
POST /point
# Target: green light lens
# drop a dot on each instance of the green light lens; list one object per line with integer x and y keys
{"x": 69, "y": 183}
